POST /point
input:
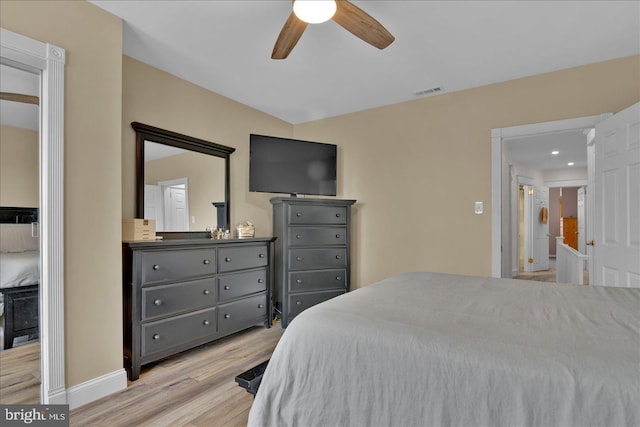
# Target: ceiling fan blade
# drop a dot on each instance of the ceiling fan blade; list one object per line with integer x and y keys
{"x": 289, "y": 36}
{"x": 18, "y": 97}
{"x": 362, "y": 25}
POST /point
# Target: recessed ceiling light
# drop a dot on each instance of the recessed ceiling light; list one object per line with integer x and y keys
{"x": 555, "y": 152}
{"x": 570, "y": 164}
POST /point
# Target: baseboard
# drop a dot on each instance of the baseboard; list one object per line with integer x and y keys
{"x": 96, "y": 388}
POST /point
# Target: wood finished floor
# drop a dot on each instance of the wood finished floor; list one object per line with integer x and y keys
{"x": 20, "y": 374}
{"x": 194, "y": 388}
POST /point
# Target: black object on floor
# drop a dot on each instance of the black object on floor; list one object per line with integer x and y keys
{"x": 250, "y": 380}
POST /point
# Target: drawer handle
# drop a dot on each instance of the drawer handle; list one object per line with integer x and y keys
{"x": 227, "y": 316}
{"x": 337, "y": 236}
{"x": 206, "y": 262}
{"x": 158, "y": 302}
{"x": 260, "y": 280}
{"x": 298, "y": 236}
{"x": 156, "y": 336}
{"x": 206, "y": 323}
{"x": 338, "y": 278}
{"x": 298, "y": 302}
{"x": 261, "y": 256}
{"x": 299, "y": 281}
{"x": 227, "y": 259}
{"x": 227, "y": 287}
{"x": 298, "y": 258}
{"x": 298, "y": 214}
{"x": 156, "y": 267}
{"x": 206, "y": 292}
{"x": 260, "y": 305}
{"x": 338, "y": 215}
{"x": 337, "y": 256}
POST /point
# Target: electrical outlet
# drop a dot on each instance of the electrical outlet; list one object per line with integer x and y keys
{"x": 479, "y": 208}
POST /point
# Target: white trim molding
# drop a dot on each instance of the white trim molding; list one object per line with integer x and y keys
{"x": 96, "y": 388}
{"x": 497, "y": 139}
{"x": 48, "y": 61}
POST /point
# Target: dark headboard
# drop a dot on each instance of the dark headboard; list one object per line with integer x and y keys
{"x": 12, "y": 215}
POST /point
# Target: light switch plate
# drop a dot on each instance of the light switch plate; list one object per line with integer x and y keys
{"x": 479, "y": 207}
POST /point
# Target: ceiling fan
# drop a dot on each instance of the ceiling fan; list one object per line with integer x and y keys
{"x": 343, "y": 12}
{"x": 18, "y": 97}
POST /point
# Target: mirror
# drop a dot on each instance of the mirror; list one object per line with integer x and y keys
{"x": 182, "y": 182}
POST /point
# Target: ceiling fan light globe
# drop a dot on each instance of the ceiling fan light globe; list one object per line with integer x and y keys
{"x": 314, "y": 11}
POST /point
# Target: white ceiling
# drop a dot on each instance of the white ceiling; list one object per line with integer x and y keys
{"x": 225, "y": 46}
{"x": 535, "y": 151}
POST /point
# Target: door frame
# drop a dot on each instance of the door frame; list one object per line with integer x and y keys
{"x": 47, "y": 61}
{"x": 501, "y": 200}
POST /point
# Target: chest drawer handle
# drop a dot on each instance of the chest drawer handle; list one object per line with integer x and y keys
{"x": 206, "y": 292}
{"x": 338, "y": 215}
{"x": 337, "y": 256}
{"x": 260, "y": 255}
{"x": 227, "y": 287}
{"x": 156, "y": 267}
{"x": 298, "y": 258}
{"x": 156, "y": 337}
{"x": 260, "y": 280}
{"x": 158, "y": 302}
{"x": 260, "y": 305}
{"x": 206, "y": 323}
{"x": 206, "y": 262}
{"x": 299, "y": 281}
{"x": 338, "y": 278}
{"x": 298, "y": 214}
{"x": 337, "y": 236}
{"x": 298, "y": 302}
{"x": 298, "y": 236}
{"x": 227, "y": 259}
{"x": 227, "y": 316}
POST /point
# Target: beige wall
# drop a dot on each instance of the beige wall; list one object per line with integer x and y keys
{"x": 19, "y": 167}
{"x": 159, "y": 99}
{"x": 92, "y": 122}
{"x": 205, "y": 177}
{"x": 417, "y": 168}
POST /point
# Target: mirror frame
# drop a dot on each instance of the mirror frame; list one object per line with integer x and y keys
{"x": 48, "y": 61}
{"x": 174, "y": 139}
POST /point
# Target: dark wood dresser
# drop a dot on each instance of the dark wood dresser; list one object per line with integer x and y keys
{"x": 179, "y": 294}
{"x": 312, "y": 252}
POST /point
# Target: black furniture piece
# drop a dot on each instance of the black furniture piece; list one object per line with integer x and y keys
{"x": 312, "y": 252}
{"x": 179, "y": 294}
{"x": 20, "y": 313}
{"x": 250, "y": 380}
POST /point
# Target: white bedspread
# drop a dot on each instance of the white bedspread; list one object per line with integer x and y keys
{"x": 19, "y": 269}
{"x": 423, "y": 349}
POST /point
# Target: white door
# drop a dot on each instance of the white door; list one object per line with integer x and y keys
{"x": 616, "y": 240}
{"x": 582, "y": 211}
{"x": 175, "y": 209}
{"x": 153, "y": 205}
{"x": 540, "y": 229}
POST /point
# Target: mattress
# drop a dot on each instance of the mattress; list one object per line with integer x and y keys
{"x": 427, "y": 349}
{"x": 19, "y": 269}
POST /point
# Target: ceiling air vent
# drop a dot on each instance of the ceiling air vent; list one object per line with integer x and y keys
{"x": 431, "y": 91}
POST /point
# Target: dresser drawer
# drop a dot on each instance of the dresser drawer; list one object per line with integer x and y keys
{"x": 160, "y": 266}
{"x": 300, "y": 302}
{"x": 242, "y": 257}
{"x": 177, "y": 298}
{"x": 305, "y": 259}
{"x": 168, "y": 333}
{"x": 240, "y": 314}
{"x": 314, "y": 236}
{"x": 236, "y": 285}
{"x": 300, "y": 214}
{"x": 300, "y": 281}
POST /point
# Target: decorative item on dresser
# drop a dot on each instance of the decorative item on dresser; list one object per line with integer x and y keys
{"x": 312, "y": 252}
{"x": 179, "y": 294}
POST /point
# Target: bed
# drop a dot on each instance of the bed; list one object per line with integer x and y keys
{"x": 19, "y": 273}
{"x": 428, "y": 349}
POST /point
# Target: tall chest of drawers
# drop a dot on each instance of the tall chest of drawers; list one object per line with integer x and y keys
{"x": 312, "y": 252}
{"x": 183, "y": 293}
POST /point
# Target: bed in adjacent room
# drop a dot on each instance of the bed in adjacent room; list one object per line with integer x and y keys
{"x": 19, "y": 273}
{"x": 427, "y": 349}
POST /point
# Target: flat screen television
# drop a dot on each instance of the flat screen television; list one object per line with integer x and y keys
{"x": 282, "y": 165}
